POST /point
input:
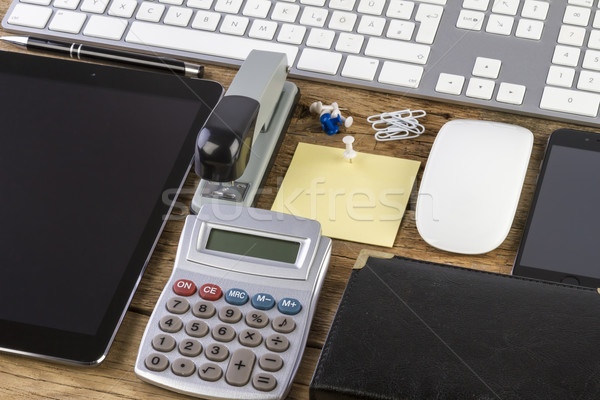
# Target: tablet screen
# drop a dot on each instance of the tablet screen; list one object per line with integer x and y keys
{"x": 88, "y": 154}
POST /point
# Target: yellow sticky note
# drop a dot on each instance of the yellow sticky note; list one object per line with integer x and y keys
{"x": 361, "y": 201}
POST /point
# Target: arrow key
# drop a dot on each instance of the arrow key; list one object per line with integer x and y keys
{"x": 511, "y": 93}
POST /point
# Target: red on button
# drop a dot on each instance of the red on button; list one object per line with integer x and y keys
{"x": 210, "y": 292}
{"x": 183, "y": 287}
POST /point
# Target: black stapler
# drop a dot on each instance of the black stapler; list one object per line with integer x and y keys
{"x": 240, "y": 139}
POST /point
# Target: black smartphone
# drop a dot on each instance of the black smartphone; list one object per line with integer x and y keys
{"x": 561, "y": 240}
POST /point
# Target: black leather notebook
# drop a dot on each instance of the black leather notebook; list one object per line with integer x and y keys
{"x": 408, "y": 329}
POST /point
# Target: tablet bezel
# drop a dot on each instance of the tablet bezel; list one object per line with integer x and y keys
{"x": 83, "y": 349}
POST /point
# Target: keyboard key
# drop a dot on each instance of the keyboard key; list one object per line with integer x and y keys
{"x": 94, "y": 6}
{"x": 571, "y": 35}
{"x": 480, "y": 88}
{"x": 29, "y": 15}
{"x": 594, "y": 40}
{"x": 360, "y": 68}
{"x": 577, "y": 16}
{"x": 373, "y": 7}
{"x": 201, "y": 42}
{"x": 535, "y": 9}
{"x": 234, "y": 25}
{"x": 152, "y": 12}
{"x": 105, "y": 27}
{"x": 479, "y": 5}
{"x": 500, "y": 24}
{"x": 399, "y": 74}
{"x": 487, "y": 67}
{"x": 206, "y": 20}
{"x": 285, "y": 12}
{"x": 450, "y": 84}
{"x": 257, "y": 8}
{"x": 589, "y": 80}
{"x": 570, "y": 101}
{"x": 67, "y": 21}
{"x": 293, "y": 34}
{"x": 349, "y": 43}
{"x": 568, "y": 56}
{"x": 313, "y": 16}
{"x": 342, "y": 21}
{"x": 320, "y": 38}
{"x": 397, "y": 51}
{"x": 400, "y": 9}
{"x": 429, "y": 16}
{"x": 510, "y": 93}
{"x": 228, "y": 6}
{"x": 178, "y": 16}
{"x": 322, "y": 61}
{"x": 346, "y": 5}
{"x": 67, "y": 4}
{"x": 402, "y": 30}
{"x": 38, "y": 2}
{"x": 529, "y": 29}
{"x": 471, "y": 20}
{"x": 591, "y": 60}
{"x": 262, "y": 29}
{"x": 371, "y": 25}
{"x": 122, "y": 8}
{"x": 560, "y": 76}
{"x": 507, "y": 7}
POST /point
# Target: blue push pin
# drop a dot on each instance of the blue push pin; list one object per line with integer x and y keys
{"x": 330, "y": 117}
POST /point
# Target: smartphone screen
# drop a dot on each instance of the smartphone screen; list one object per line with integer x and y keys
{"x": 561, "y": 240}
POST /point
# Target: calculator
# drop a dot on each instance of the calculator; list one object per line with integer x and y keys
{"x": 233, "y": 319}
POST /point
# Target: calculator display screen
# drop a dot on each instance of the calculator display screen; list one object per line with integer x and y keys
{"x": 253, "y": 245}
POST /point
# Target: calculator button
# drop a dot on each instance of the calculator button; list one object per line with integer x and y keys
{"x": 210, "y": 292}
{"x": 270, "y": 362}
{"x": 183, "y": 287}
{"x": 163, "y": 342}
{"x": 264, "y": 382}
{"x": 257, "y": 319}
{"x": 216, "y": 352}
{"x": 263, "y": 301}
{"x": 283, "y": 324}
{"x": 183, "y": 367}
{"x": 196, "y": 328}
{"x": 156, "y": 362}
{"x": 170, "y": 324}
{"x": 250, "y": 337}
{"x": 203, "y": 309}
{"x": 230, "y": 314}
{"x": 237, "y": 297}
{"x": 223, "y": 333}
{"x": 240, "y": 367}
{"x": 190, "y": 347}
{"x": 210, "y": 372}
{"x": 277, "y": 343}
{"x": 178, "y": 305}
{"x": 289, "y": 306}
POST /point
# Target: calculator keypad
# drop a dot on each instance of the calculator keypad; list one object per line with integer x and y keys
{"x": 203, "y": 326}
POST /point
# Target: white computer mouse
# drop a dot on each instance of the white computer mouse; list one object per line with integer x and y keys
{"x": 471, "y": 185}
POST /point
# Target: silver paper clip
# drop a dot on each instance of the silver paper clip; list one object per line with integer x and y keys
{"x": 397, "y": 125}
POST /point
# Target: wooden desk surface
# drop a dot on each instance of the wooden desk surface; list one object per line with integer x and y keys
{"x": 24, "y": 378}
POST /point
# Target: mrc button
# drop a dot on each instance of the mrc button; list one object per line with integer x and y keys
{"x": 289, "y": 306}
{"x": 237, "y": 297}
{"x": 263, "y": 301}
{"x": 183, "y": 287}
{"x": 210, "y": 292}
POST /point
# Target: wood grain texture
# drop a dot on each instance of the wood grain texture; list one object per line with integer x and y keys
{"x": 24, "y": 378}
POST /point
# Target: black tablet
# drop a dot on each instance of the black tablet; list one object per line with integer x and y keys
{"x": 88, "y": 156}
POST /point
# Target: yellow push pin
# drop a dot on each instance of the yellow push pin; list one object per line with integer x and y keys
{"x": 349, "y": 154}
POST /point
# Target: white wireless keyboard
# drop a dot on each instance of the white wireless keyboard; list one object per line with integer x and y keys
{"x": 534, "y": 57}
